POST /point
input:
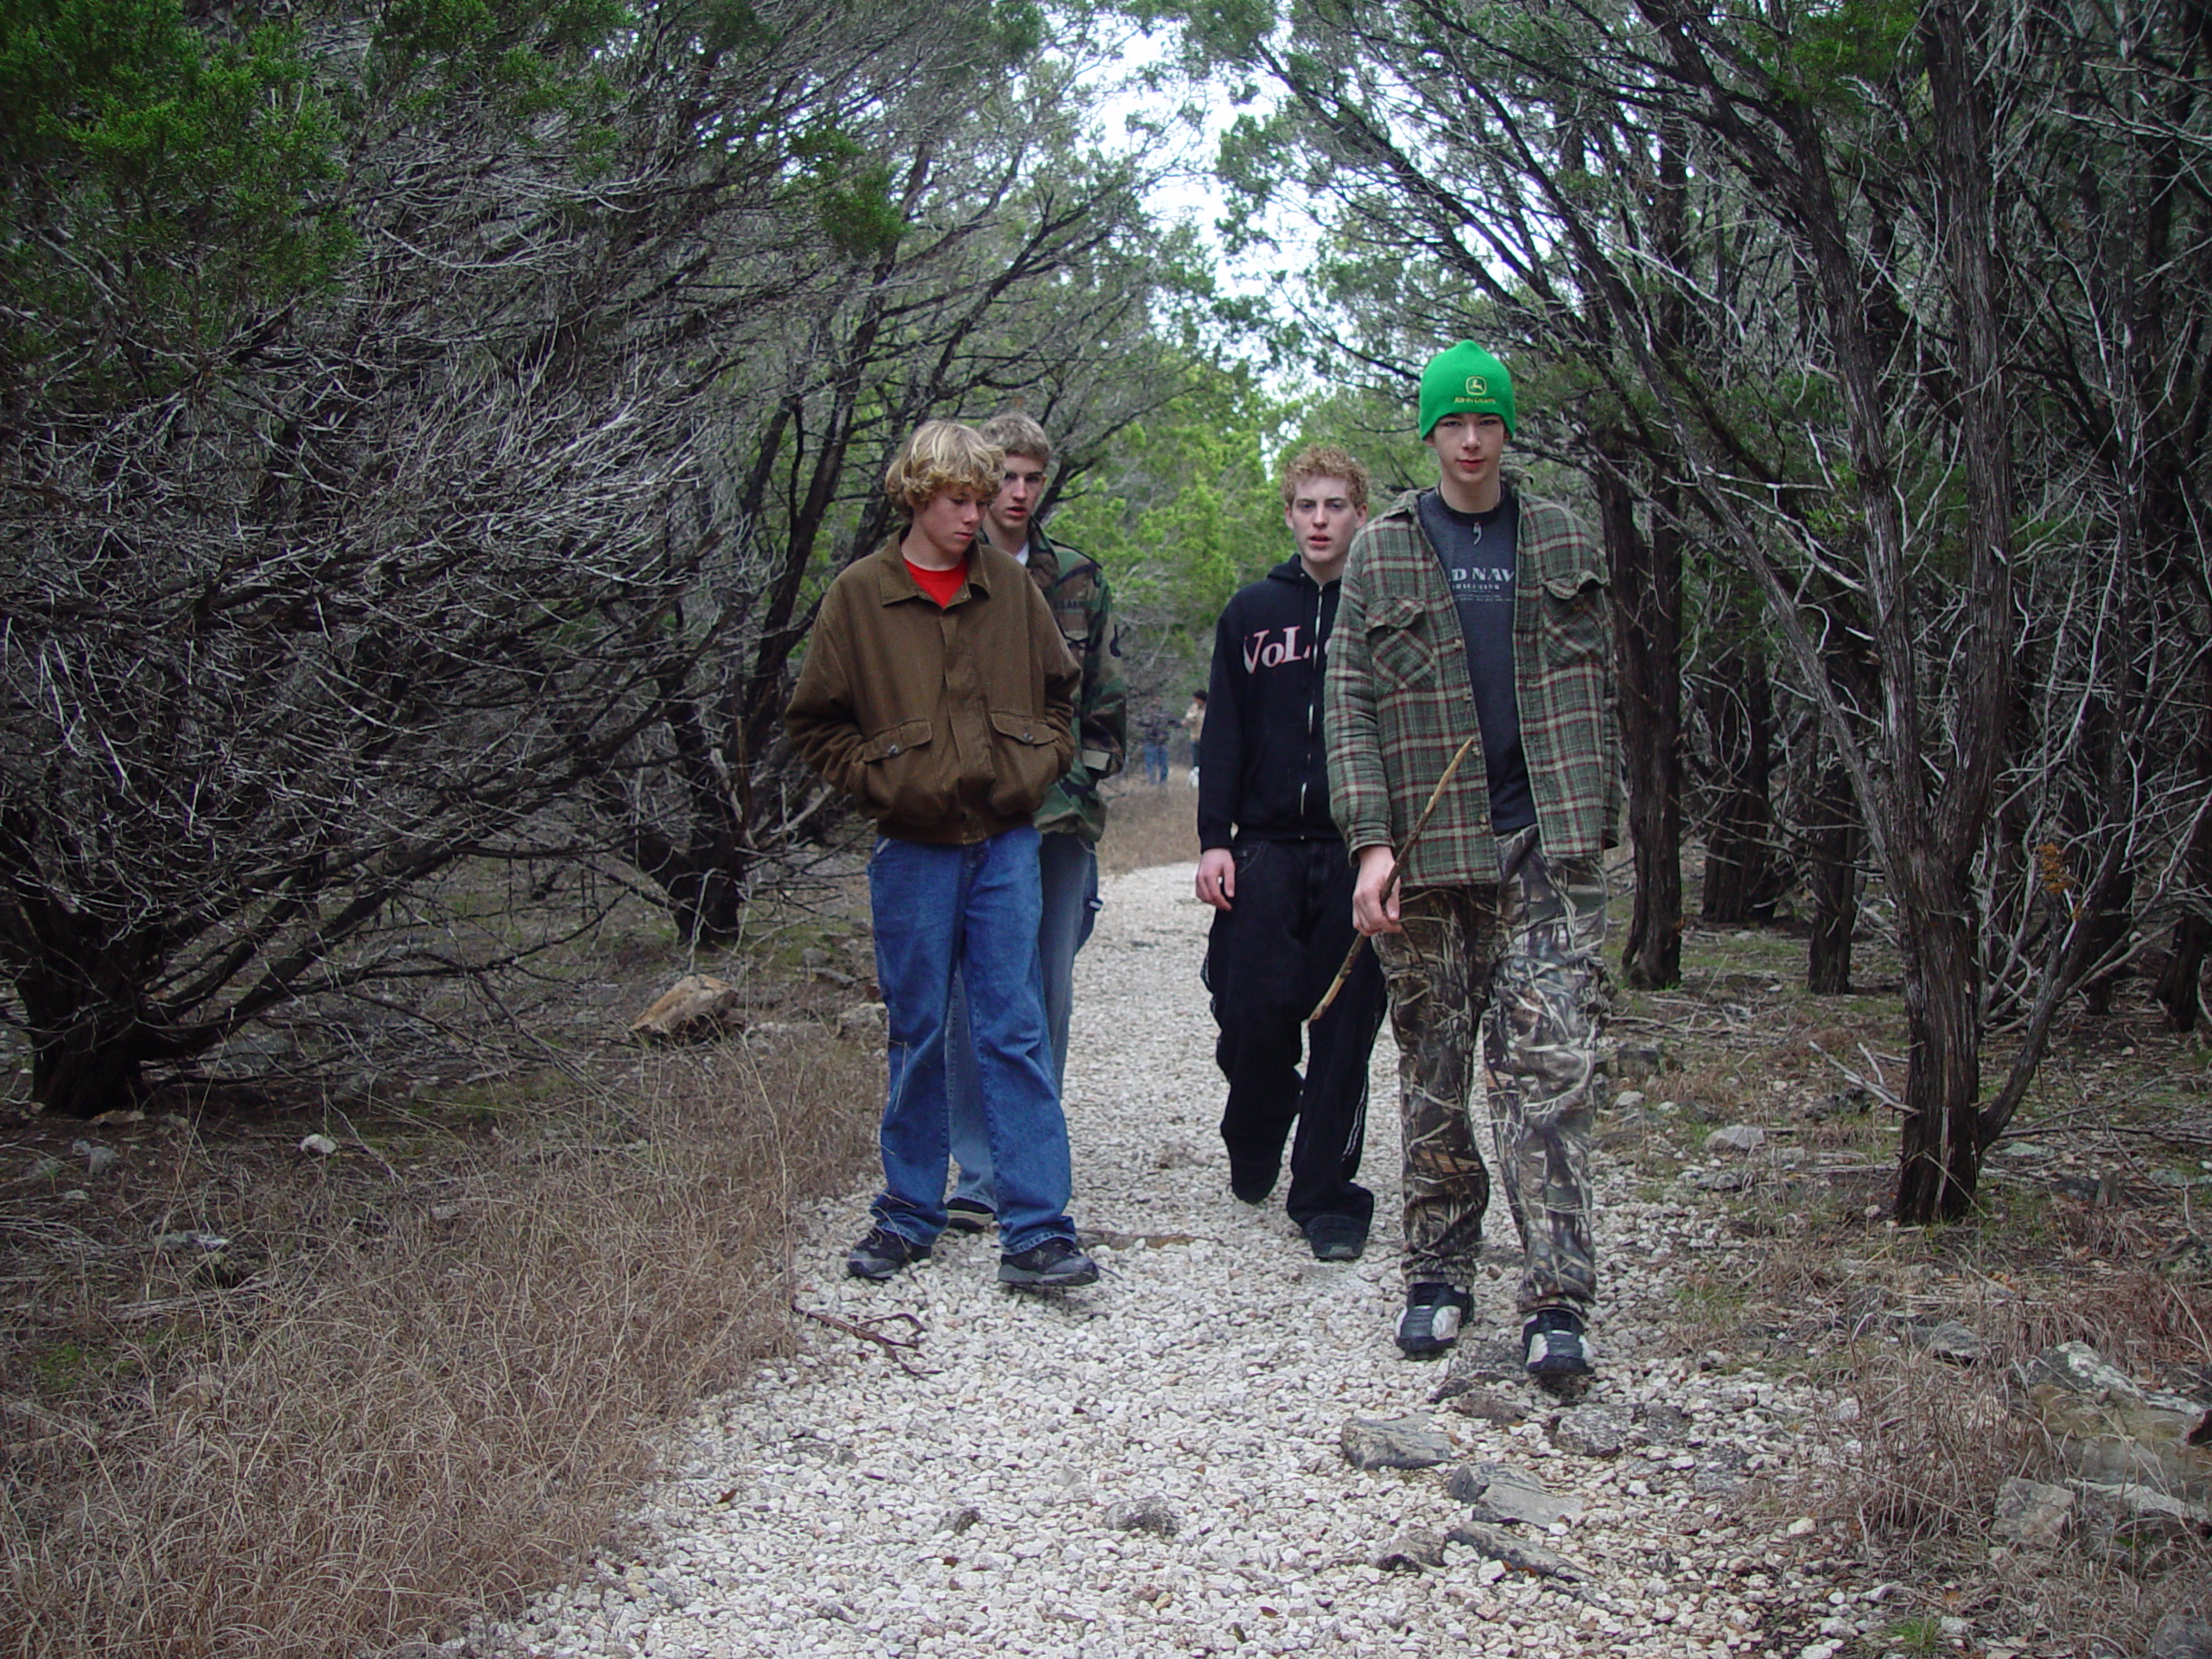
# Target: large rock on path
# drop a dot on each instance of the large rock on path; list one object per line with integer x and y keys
{"x": 1498, "y": 1492}
{"x": 1394, "y": 1443}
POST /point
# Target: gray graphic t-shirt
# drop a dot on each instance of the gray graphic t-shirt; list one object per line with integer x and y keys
{"x": 1478, "y": 552}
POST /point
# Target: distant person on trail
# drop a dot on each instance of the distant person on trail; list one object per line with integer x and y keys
{"x": 1472, "y": 608}
{"x": 1072, "y": 817}
{"x": 1274, "y": 868}
{"x": 1194, "y": 722}
{"x": 937, "y": 692}
{"x": 1155, "y": 745}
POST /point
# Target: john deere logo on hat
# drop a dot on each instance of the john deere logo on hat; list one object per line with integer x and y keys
{"x": 1465, "y": 380}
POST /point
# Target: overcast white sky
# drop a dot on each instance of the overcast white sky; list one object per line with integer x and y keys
{"x": 1189, "y": 192}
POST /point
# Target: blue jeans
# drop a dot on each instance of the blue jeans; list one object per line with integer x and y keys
{"x": 1067, "y": 872}
{"x": 972, "y": 911}
{"x": 1155, "y": 763}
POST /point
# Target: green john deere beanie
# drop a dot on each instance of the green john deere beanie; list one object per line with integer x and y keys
{"x": 1465, "y": 380}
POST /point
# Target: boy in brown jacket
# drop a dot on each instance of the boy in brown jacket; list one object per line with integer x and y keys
{"x": 938, "y": 694}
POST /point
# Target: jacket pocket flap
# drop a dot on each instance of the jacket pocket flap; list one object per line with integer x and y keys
{"x": 1575, "y": 586}
{"x": 894, "y": 740}
{"x": 1022, "y": 728}
{"x": 1400, "y": 611}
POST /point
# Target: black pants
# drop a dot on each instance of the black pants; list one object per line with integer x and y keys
{"x": 1268, "y": 960}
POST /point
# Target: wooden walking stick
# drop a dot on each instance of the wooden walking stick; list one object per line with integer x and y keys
{"x": 1352, "y": 957}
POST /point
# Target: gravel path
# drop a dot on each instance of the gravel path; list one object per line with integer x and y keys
{"x": 1153, "y": 1466}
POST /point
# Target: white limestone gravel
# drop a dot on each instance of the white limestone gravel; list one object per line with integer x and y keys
{"x": 843, "y": 1507}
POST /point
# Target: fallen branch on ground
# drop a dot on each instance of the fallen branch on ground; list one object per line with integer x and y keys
{"x": 890, "y": 1345}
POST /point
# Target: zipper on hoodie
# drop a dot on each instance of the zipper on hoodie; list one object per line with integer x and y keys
{"x": 1313, "y": 700}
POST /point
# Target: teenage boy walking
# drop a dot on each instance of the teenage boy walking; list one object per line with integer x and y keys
{"x": 1471, "y": 608}
{"x": 1274, "y": 868}
{"x": 1072, "y": 817}
{"x": 937, "y": 694}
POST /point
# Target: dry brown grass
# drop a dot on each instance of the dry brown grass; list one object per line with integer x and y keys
{"x": 1930, "y": 1442}
{"x": 2059, "y": 1249}
{"x": 1150, "y": 823}
{"x": 439, "y": 1389}
{"x": 1913, "y": 1478}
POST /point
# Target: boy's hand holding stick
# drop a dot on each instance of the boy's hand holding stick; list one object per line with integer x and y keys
{"x": 1352, "y": 957}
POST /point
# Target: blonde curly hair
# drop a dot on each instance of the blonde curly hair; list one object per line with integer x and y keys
{"x": 942, "y": 456}
{"x": 1325, "y": 460}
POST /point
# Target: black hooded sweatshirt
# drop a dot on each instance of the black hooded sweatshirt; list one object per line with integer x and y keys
{"x": 1261, "y": 766}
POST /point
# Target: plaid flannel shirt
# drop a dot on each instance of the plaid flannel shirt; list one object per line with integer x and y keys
{"x": 1398, "y": 702}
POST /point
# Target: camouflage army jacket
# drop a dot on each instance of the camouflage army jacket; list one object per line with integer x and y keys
{"x": 1075, "y": 588}
{"x": 1398, "y": 703}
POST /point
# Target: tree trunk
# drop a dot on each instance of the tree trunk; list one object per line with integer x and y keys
{"x": 1940, "y": 1146}
{"x": 1832, "y": 879}
{"x": 702, "y": 882}
{"x": 84, "y": 1070}
{"x": 1740, "y": 843}
{"x": 88, "y": 1056}
{"x": 2181, "y": 984}
{"x": 1648, "y": 625}
{"x": 709, "y": 906}
{"x": 1939, "y": 1150}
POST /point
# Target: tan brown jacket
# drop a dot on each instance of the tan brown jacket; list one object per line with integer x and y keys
{"x": 943, "y": 726}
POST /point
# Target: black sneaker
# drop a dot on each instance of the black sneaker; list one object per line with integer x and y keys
{"x": 1056, "y": 1264}
{"x": 967, "y": 1216}
{"x": 1336, "y": 1238}
{"x": 1430, "y": 1323}
{"x": 1552, "y": 1341}
{"x": 882, "y": 1253}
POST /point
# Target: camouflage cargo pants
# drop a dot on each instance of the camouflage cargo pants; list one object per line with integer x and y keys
{"x": 1523, "y": 959}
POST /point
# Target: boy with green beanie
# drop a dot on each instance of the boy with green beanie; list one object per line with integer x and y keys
{"x": 1472, "y": 608}
{"x": 1464, "y": 380}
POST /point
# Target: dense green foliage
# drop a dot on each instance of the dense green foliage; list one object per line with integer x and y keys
{"x": 1181, "y": 513}
{"x": 188, "y": 178}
